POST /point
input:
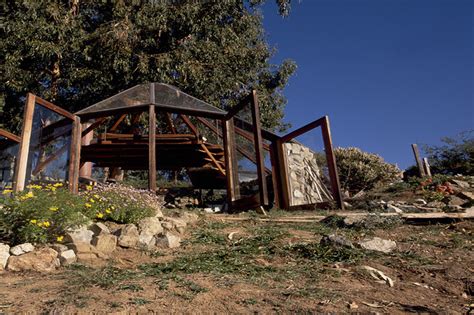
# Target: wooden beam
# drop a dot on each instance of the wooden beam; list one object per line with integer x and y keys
{"x": 190, "y": 125}
{"x": 426, "y": 167}
{"x": 51, "y": 158}
{"x": 117, "y": 122}
{"x": 281, "y": 174}
{"x": 331, "y": 160}
{"x": 93, "y": 126}
{"x": 267, "y": 135}
{"x": 213, "y": 159}
{"x": 419, "y": 163}
{"x": 237, "y": 108}
{"x": 54, "y": 108}
{"x": 152, "y": 148}
{"x": 304, "y": 129}
{"x": 24, "y": 147}
{"x": 9, "y": 135}
{"x": 75, "y": 156}
{"x": 230, "y": 170}
{"x": 262, "y": 183}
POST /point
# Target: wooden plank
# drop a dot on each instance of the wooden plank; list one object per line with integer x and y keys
{"x": 426, "y": 167}
{"x": 9, "y": 135}
{"x": 232, "y": 179}
{"x": 298, "y": 132}
{"x": 85, "y": 169}
{"x": 24, "y": 147}
{"x": 416, "y": 152}
{"x": 93, "y": 126}
{"x": 213, "y": 159}
{"x": 262, "y": 183}
{"x": 75, "y": 156}
{"x": 275, "y": 180}
{"x": 267, "y": 135}
{"x": 331, "y": 161}
{"x": 282, "y": 174}
{"x": 190, "y": 125}
{"x": 54, "y": 108}
{"x": 152, "y": 149}
{"x": 117, "y": 122}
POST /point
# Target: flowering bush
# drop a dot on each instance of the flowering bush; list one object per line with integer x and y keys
{"x": 359, "y": 170}
{"x": 119, "y": 203}
{"x": 40, "y": 214}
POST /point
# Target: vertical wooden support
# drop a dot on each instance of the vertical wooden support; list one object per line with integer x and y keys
{"x": 419, "y": 163}
{"x": 426, "y": 167}
{"x": 257, "y": 134}
{"x": 152, "y": 149}
{"x": 24, "y": 147}
{"x": 282, "y": 174}
{"x": 86, "y": 169}
{"x": 277, "y": 189}
{"x": 331, "y": 160}
{"x": 75, "y": 156}
{"x": 233, "y": 191}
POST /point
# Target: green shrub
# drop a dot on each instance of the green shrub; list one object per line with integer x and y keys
{"x": 40, "y": 215}
{"x": 119, "y": 203}
{"x": 359, "y": 170}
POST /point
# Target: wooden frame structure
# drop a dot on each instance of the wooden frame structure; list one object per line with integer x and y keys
{"x": 118, "y": 146}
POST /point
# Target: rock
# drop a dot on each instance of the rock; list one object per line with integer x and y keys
{"x": 298, "y": 194}
{"x": 128, "y": 236}
{"x": 86, "y": 253}
{"x": 67, "y": 257}
{"x": 350, "y": 221}
{"x": 420, "y": 202}
{"x": 208, "y": 210}
{"x": 337, "y": 240}
{"x": 150, "y": 226}
{"x": 454, "y": 201}
{"x": 168, "y": 240}
{"x": 22, "y": 249}
{"x": 105, "y": 243}
{"x": 42, "y": 260}
{"x": 393, "y": 208}
{"x": 99, "y": 228}
{"x": 460, "y": 183}
{"x": 81, "y": 234}
{"x": 378, "y": 244}
{"x": 467, "y": 195}
{"x": 167, "y": 226}
{"x": 4, "y": 254}
{"x": 407, "y": 208}
{"x": 189, "y": 217}
{"x": 59, "y": 247}
{"x": 176, "y": 223}
{"x": 147, "y": 241}
{"x": 436, "y": 204}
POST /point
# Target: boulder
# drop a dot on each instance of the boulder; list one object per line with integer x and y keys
{"x": 150, "y": 226}
{"x": 67, "y": 257}
{"x": 460, "y": 183}
{"x": 86, "y": 253}
{"x": 105, "y": 243}
{"x": 41, "y": 260}
{"x": 378, "y": 244}
{"x": 335, "y": 240}
{"x": 168, "y": 240}
{"x": 99, "y": 228}
{"x": 22, "y": 249}
{"x": 454, "y": 201}
{"x": 128, "y": 236}
{"x": 59, "y": 247}
{"x": 146, "y": 240}
{"x": 81, "y": 234}
{"x": 189, "y": 217}
{"x": 4, "y": 254}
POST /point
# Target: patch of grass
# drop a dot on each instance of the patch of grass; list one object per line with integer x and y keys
{"x": 326, "y": 253}
{"x": 250, "y": 301}
{"x": 106, "y": 277}
{"x": 207, "y": 236}
{"x": 139, "y": 301}
{"x": 131, "y": 286}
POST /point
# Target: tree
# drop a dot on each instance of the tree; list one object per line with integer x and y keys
{"x": 455, "y": 156}
{"x": 75, "y": 53}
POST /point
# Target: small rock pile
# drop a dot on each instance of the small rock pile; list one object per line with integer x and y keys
{"x": 94, "y": 244}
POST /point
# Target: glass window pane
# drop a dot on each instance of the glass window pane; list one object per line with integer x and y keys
{"x": 8, "y": 152}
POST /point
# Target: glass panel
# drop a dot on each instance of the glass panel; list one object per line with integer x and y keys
{"x": 49, "y": 151}
{"x": 308, "y": 180}
{"x": 8, "y": 152}
{"x": 171, "y": 96}
{"x": 135, "y": 96}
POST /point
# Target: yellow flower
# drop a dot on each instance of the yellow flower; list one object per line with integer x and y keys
{"x": 92, "y": 200}
{"x": 53, "y": 188}
{"x": 46, "y": 223}
{"x": 96, "y": 196}
{"x": 34, "y": 186}
{"x": 29, "y": 195}
{"x": 53, "y": 208}
{"x": 58, "y": 185}
{"x": 7, "y": 191}
{"x": 33, "y": 221}
{"x": 112, "y": 207}
{"x": 40, "y": 224}
{"x": 100, "y": 215}
{"x": 89, "y": 187}
{"x": 60, "y": 238}
{"x": 108, "y": 211}
{"x": 88, "y": 205}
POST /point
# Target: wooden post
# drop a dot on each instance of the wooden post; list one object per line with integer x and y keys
{"x": 331, "y": 160}
{"x": 426, "y": 167}
{"x": 24, "y": 147}
{"x": 230, "y": 170}
{"x": 152, "y": 149}
{"x": 282, "y": 174}
{"x": 86, "y": 169}
{"x": 75, "y": 156}
{"x": 262, "y": 183}
{"x": 416, "y": 152}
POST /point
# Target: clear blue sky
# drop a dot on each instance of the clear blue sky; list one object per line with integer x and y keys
{"x": 387, "y": 72}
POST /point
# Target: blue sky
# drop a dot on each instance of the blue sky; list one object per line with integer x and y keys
{"x": 387, "y": 72}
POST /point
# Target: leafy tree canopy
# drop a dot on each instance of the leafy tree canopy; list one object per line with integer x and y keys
{"x": 77, "y": 52}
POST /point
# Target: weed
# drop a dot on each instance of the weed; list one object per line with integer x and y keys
{"x": 132, "y": 287}
{"x": 139, "y": 301}
{"x": 325, "y": 253}
{"x": 249, "y": 301}
{"x": 105, "y": 277}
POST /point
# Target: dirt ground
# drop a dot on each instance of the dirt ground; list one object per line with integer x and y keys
{"x": 255, "y": 267}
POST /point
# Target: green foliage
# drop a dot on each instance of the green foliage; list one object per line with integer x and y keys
{"x": 326, "y": 253}
{"x": 359, "y": 170}
{"x": 40, "y": 215}
{"x": 77, "y": 53}
{"x": 455, "y": 156}
{"x": 120, "y": 204}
